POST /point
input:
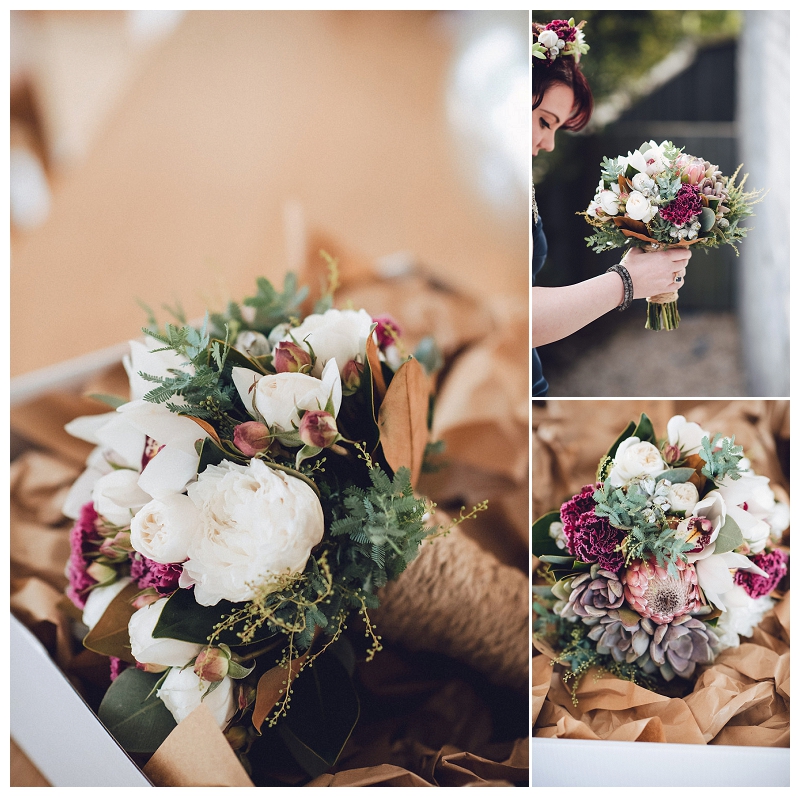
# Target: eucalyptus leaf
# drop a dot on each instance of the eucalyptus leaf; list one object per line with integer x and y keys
{"x": 325, "y": 709}
{"x": 677, "y": 475}
{"x": 729, "y": 537}
{"x": 541, "y": 541}
{"x": 138, "y": 722}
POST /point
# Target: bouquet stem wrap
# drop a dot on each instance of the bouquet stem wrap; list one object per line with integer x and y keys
{"x": 662, "y": 311}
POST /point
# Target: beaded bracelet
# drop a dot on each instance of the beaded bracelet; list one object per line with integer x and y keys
{"x": 627, "y": 284}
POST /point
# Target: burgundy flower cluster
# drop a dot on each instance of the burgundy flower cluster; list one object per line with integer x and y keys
{"x": 590, "y": 538}
{"x": 147, "y": 573}
{"x": 772, "y": 563}
{"x": 684, "y": 207}
{"x": 83, "y": 539}
{"x": 562, "y": 28}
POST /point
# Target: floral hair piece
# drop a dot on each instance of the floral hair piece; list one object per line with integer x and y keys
{"x": 560, "y": 37}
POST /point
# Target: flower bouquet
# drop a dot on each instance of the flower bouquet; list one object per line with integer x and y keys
{"x": 663, "y": 562}
{"x": 255, "y": 491}
{"x": 659, "y": 197}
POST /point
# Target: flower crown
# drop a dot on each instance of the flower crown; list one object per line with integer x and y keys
{"x": 560, "y": 37}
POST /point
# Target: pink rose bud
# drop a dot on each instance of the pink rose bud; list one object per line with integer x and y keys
{"x": 236, "y": 736}
{"x": 318, "y": 428}
{"x": 289, "y": 357}
{"x": 145, "y": 599}
{"x": 251, "y": 438}
{"x": 351, "y": 377}
{"x": 211, "y": 664}
{"x": 117, "y": 546}
{"x": 671, "y": 454}
{"x": 245, "y": 695}
{"x": 388, "y": 330}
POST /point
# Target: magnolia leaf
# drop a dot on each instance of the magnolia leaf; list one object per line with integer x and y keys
{"x": 677, "y": 475}
{"x": 110, "y": 635}
{"x": 644, "y": 430}
{"x": 379, "y": 383}
{"x": 271, "y": 686}
{"x": 729, "y": 537}
{"x": 324, "y": 711}
{"x": 563, "y": 561}
{"x": 697, "y": 479}
{"x": 137, "y": 719}
{"x": 206, "y": 427}
{"x": 541, "y": 541}
{"x": 403, "y": 419}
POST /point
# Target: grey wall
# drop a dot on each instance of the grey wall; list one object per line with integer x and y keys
{"x": 763, "y": 268}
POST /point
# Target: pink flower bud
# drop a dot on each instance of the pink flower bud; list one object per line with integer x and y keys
{"x": 251, "y": 438}
{"x": 145, "y": 599}
{"x": 289, "y": 357}
{"x": 150, "y": 667}
{"x": 671, "y": 454}
{"x": 211, "y": 664}
{"x": 245, "y": 694}
{"x": 101, "y": 573}
{"x": 318, "y": 428}
{"x": 118, "y": 546}
{"x": 388, "y": 330}
{"x": 351, "y": 377}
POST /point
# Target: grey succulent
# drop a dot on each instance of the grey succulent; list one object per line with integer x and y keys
{"x": 624, "y": 635}
{"x": 593, "y": 594}
{"x": 678, "y": 647}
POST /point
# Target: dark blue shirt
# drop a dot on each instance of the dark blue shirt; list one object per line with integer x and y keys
{"x": 539, "y": 254}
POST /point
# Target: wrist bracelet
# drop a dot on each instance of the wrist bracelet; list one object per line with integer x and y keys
{"x": 627, "y": 284}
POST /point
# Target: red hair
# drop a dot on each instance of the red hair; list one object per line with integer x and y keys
{"x": 564, "y": 70}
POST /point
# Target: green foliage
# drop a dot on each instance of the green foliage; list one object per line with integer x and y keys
{"x": 722, "y": 457}
{"x": 605, "y": 237}
{"x": 610, "y": 170}
{"x": 541, "y": 541}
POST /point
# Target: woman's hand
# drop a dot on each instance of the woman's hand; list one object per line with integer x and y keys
{"x": 654, "y": 272}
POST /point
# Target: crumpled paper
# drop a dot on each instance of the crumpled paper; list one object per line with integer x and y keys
{"x": 743, "y": 698}
{"x": 426, "y": 720}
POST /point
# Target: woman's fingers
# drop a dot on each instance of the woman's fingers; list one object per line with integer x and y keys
{"x": 680, "y": 255}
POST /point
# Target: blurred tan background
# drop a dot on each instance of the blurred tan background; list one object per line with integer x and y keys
{"x": 175, "y": 154}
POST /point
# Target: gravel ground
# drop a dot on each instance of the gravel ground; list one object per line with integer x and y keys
{"x": 618, "y": 357}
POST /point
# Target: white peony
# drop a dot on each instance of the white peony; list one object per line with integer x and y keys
{"x": 182, "y": 692}
{"x": 682, "y": 497}
{"x": 339, "y": 335}
{"x": 743, "y": 615}
{"x": 257, "y": 524}
{"x": 99, "y": 599}
{"x": 117, "y": 496}
{"x": 279, "y": 397}
{"x": 688, "y": 436}
{"x": 634, "y": 459}
{"x": 609, "y": 202}
{"x": 638, "y": 207}
{"x": 643, "y": 183}
{"x": 548, "y": 39}
{"x": 162, "y": 651}
{"x": 162, "y": 529}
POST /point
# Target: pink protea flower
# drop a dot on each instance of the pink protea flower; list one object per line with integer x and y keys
{"x": 772, "y": 563}
{"x": 653, "y": 592}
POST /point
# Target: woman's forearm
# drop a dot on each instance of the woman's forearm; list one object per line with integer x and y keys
{"x": 558, "y": 312}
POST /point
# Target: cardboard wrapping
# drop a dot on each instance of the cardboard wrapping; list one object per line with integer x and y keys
{"x": 743, "y": 697}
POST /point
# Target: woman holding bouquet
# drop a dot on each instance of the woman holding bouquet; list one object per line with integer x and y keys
{"x": 562, "y": 99}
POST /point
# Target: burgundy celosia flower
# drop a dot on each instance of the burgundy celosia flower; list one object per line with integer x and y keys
{"x": 147, "y": 573}
{"x": 773, "y": 563}
{"x": 83, "y": 538}
{"x": 387, "y": 330}
{"x": 571, "y": 510}
{"x": 562, "y": 28}
{"x": 684, "y": 207}
{"x": 594, "y": 539}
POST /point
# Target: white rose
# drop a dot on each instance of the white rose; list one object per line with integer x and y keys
{"x": 257, "y": 524}
{"x": 279, "y": 397}
{"x": 643, "y": 183}
{"x": 609, "y": 202}
{"x": 688, "y": 436}
{"x": 163, "y": 651}
{"x": 682, "y": 497}
{"x": 163, "y": 529}
{"x": 638, "y": 206}
{"x": 99, "y": 599}
{"x": 635, "y": 458}
{"x": 118, "y": 497}
{"x": 336, "y": 334}
{"x": 548, "y": 39}
{"x": 182, "y": 692}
